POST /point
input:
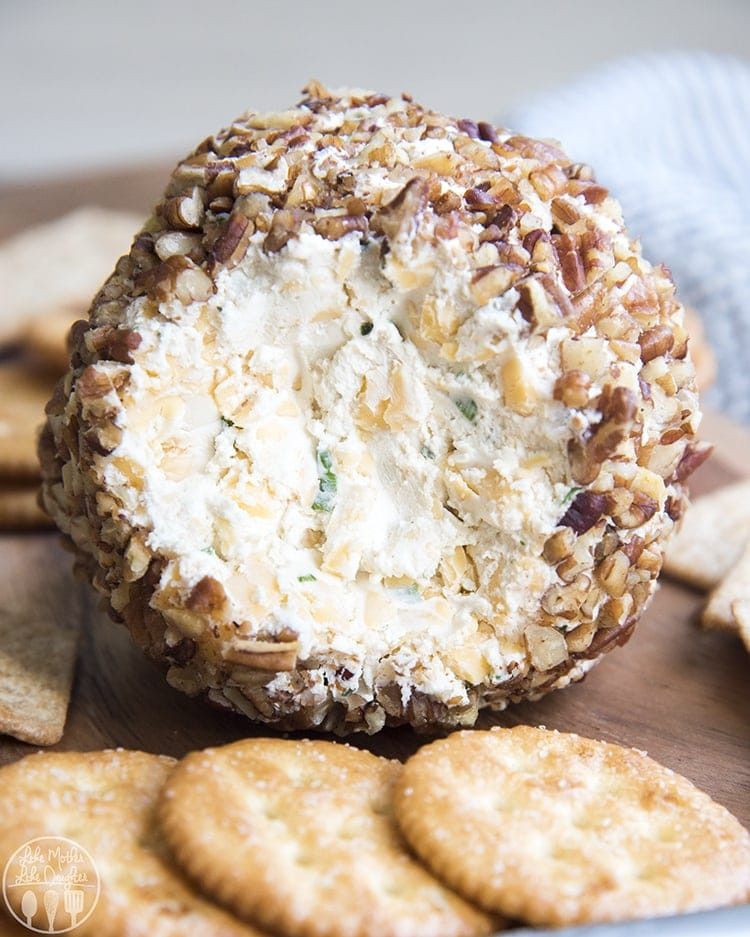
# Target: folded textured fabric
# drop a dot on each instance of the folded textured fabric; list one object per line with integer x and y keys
{"x": 670, "y": 135}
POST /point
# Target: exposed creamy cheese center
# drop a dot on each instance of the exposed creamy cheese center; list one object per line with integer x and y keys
{"x": 303, "y": 442}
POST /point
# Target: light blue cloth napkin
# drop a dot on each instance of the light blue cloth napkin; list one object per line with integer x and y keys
{"x": 670, "y": 136}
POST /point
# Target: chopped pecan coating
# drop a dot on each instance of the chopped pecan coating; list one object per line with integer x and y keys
{"x": 585, "y": 510}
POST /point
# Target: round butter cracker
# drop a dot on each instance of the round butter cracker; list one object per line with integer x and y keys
{"x": 299, "y": 837}
{"x": 556, "y": 829}
{"x": 104, "y": 802}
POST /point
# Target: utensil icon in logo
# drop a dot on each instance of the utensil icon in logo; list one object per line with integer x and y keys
{"x": 73, "y": 903}
{"x": 45, "y": 875}
{"x": 28, "y": 906}
{"x": 51, "y": 899}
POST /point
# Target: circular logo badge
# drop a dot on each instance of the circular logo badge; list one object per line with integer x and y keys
{"x": 50, "y": 884}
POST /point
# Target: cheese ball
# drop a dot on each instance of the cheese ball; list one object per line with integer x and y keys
{"x": 383, "y": 419}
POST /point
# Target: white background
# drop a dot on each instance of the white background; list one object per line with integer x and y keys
{"x": 89, "y": 83}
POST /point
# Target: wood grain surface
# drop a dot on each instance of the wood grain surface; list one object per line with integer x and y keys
{"x": 675, "y": 690}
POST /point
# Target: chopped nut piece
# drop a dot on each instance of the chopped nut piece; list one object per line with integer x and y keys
{"x": 655, "y": 342}
{"x": 573, "y": 388}
{"x": 641, "y": 510}
{"x": 468, "y": 127}
{"x": 559, "y": 545}
{"x": 334, "y": 227}
{"x": 271, "y": 656}
{"x": 539, "y": 303}
{"x": 284, "y": 226}
{"x": 479, "y": 200}
{"x": 207, "y": 596}
{"x": 546, "y": 646}
{"x": 487, "y": 132}
{"x": 564, "y": 212}
{"x": 573, "y": 273}
{"x": 399, "y": 217}
{"x": 231, "y": 246}
{"x": 564, "y": 601}
{"x": 612, "y": 572}
{"x": 449, "y": 201}
{"x": 694, "y": 457}
{"x": 584, "y": 512}
{"x": 184, "y": 211}
{"x": 118, "y": 345}
{"x": 489, "y": 282}
{"x": 615, "y": 611}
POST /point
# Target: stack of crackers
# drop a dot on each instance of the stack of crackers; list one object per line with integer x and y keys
{"x": 49, "y": 275}
{"x": 475, "y": 833}
{"x": 711, "y": 552}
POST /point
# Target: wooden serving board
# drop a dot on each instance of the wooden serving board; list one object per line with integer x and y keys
{"x": 675, "y": 690}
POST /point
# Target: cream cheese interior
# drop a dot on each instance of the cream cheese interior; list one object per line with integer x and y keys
{"x": 299, "y": 439}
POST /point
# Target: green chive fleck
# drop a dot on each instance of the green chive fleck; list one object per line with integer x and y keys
{"x": 308, "y": 577}
{"x": 572, "y": 493}
{"x": 327, "y": 484}
{"x": 409, "y": 593}
{"x": 366, "y": 328}
{"x": 468, "y": 407}
{"x": 227, "y": 422}
{"x": 427, "y": 452}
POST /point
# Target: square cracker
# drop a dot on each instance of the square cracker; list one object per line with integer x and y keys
{"x": 60, "y": 263}
{"x": 730, "y": 596}
{"x": 713, "y": 534}
{"x": 741, "y": 612}
{"x": 39, "y": 632}
{"x": 23, "y": 396}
